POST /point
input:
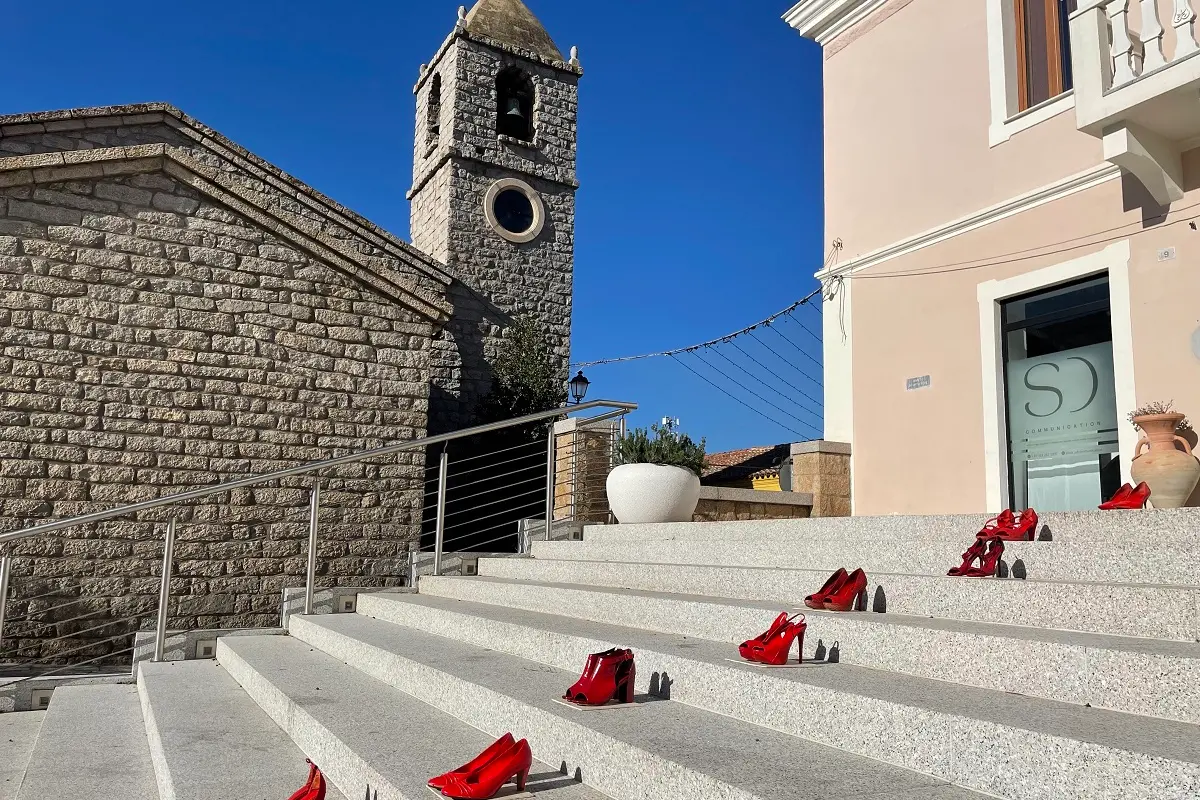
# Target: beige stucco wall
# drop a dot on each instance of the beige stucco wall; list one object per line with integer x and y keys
{"x": 923, "y": 451}
{"x": 907, "y": 111}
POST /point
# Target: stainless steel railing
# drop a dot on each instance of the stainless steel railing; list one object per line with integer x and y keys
{"x": 615, "y": 410}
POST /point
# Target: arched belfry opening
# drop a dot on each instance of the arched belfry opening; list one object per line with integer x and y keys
{"x": 514, "y": 112}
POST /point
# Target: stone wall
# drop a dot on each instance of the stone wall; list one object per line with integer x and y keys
{"x": 151, "y": 340}
{"x": 720, "y": 504}
{"x": 496, "y": 280}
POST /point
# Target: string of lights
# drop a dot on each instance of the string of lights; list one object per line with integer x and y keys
{"x": 732, "y": 396}
{"x": 722, "y": 340}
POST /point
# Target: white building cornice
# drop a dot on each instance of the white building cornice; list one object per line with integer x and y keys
{"x": 823, "y": 20}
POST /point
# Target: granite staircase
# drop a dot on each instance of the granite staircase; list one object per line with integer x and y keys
{"x": 1079, "y": 680}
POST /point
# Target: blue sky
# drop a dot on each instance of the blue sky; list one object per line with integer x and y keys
{"x": 699, "y": 158}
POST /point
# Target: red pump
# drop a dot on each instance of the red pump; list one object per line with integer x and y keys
{"x": 512, "y": 764}
{"x": 975, "y": 551}
{"x": 1128, "y": 497}
{"x": 818, "y": 598}
{"x": 848, "y": 592}
{"x": 497, "y": 747}
{"x": 314, "y": 787}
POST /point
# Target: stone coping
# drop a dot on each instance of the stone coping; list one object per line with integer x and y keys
{"x": 728, "y": 495}
{"x": 192, "y": 128}
{"x": 218, "y": 185}
{"x": 821, "y": 446}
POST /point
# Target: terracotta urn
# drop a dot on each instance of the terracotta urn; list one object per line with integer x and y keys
{"x": 1168, "y": 467}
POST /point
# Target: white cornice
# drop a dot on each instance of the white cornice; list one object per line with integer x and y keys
{"x": 1046, "y": 194}
{"x": 822, "y": 20}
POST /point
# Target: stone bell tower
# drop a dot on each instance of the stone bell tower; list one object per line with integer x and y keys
{"x": 493, "y": 193}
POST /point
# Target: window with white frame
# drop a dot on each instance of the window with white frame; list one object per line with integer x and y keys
{"x": 1029, "y": 59}
{"x": 1042, "y": 50}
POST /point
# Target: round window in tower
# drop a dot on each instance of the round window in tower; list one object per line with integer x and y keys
{"x": 514, "y": 210}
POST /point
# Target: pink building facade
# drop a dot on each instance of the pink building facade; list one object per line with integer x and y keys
{"x": 1011, "y": 186}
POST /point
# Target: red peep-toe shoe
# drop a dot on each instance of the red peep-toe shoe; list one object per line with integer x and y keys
{"x": 849, "y": 591}
{"x": 997, "y": 525}
{"x": 614, "y": 678}
{"x": 775, "y": 650}
{"x": 314, "y": 787}
{"x": 817, "y": 600}
{"x": 511, "y": 765}
{"x": 975, "y": 551}
{"x": 494, "y": 749}
{"x": 745, "y": 647}
{"x": 589, "y": 670}
{"x": 989, "y": 563}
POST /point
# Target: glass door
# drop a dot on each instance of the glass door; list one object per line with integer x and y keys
{"x": 1061, "y": 398}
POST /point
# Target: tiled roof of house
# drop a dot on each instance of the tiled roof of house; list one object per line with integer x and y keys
{"x": 750, "y": 462}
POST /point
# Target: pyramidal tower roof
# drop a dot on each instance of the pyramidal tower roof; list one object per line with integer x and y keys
{"x": 511, "y": 22}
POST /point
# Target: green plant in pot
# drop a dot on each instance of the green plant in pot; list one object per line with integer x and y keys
{"x": 1168, "y": 466}
{"x": 657, "y": 478}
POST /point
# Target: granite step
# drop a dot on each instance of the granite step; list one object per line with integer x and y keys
{"x": 1162, "y": 563}
{"x": 653, "y": 749}
{"x": 369, "y": 739}
{"x": 1136, "y": 676}
{"x": 1009, "y": 746}
{"x": 1178, "y": 527}
{"x": 18, "y": 732}
{"x": 1152, "y": 611}
{"x": 199, "y": 755}
{"x": 92, "y": 744}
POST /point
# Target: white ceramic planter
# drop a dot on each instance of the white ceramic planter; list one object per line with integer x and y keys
{"x": 652, "y": 493}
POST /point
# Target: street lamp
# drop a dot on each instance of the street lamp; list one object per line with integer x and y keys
{"x": 579, "y": 386}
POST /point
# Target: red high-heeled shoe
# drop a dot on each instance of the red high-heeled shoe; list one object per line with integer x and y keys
{"x": 976, "y": 550}
{"x": 1024, "y": 530}
{"x": 775, "y": 650}
{"x": 314, "y": 787}
{"x": 817, "y": 600}
{"x": 614, "y": 678}
{"x": 989, "y": 562}
{"x": 494, "y": 749}
{"x": 850, "y": 590}
{"x": 744, "y": 647}
{"x": 511, "y": 765}
{"x": 589, "y": 670}
{"x": 1134, "y": 498}
{"x": 1001, "y": 523}
{"x": 1119, "y": 496}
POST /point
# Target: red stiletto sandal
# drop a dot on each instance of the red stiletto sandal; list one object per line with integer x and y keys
{"x": 817, "y": 600}
{"x": 1120, "y": 496}
{"x": 614, "y": 678}
{"x": 744, "y": 647}
{"x": 314, "y": 787}
{"x": 775, "y": 650}
{"x": 997, "y": 525}
{"x": 1024, "y": 530}
{"x": 511, "y": 765}
{"x": 497, "y": 747}
{"x": 974, "y": 552}
{"x": 849, "y": 592}
{"x": 989, "y": 563}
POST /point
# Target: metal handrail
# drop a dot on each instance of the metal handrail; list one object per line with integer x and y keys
{"x": 618, "y": 409}
{"x": 306, "y": 469}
